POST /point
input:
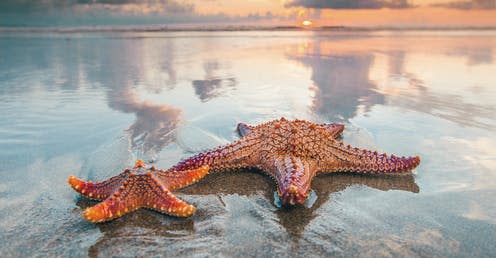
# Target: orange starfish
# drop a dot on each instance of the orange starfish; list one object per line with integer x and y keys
{"x": 140, "y": 187}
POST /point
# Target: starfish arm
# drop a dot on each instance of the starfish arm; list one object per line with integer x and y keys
{"x": 348, "y": 159}
{"x": 177, "y": 179}
{"x": 293, "y": 176}
{"x": 231, "y": 156}
{"x": 162, "y": 200}
{"x": 98, "y": 190}
{"x": 138, "y": 191}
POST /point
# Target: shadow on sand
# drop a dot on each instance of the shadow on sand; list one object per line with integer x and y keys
{"x": 139, "y": 226}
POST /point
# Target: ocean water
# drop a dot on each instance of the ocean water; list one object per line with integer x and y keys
{"x": 89, "y": 104}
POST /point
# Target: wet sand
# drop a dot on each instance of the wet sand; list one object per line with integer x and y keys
{"x": 89, "y": 104}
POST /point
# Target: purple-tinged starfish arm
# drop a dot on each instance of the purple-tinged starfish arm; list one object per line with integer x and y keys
{"x": 349, "y": 159}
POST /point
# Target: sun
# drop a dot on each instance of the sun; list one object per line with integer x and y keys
{"x": 306, "y": 23}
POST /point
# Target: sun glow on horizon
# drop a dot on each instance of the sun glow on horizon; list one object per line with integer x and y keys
{"x": 306, "y": 23}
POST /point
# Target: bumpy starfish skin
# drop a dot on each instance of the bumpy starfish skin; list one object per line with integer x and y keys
{"x": 139, "y": 187}
{"x": 293, "y": 152}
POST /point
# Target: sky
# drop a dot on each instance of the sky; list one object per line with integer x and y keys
{"x": 363, "y": 13}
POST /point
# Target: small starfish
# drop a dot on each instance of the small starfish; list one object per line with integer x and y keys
{"x": 293, "y": 152}
{"x": 140, "y": 187}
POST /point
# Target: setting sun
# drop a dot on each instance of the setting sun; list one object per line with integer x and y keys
{"x": 306, "y": 23}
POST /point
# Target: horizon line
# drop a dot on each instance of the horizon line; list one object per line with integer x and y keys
{"x": 206, "y": 28}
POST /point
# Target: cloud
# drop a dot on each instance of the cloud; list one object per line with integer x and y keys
{"x": 54, "y": 13}
{"x": 150, "y": 6}
{"x": 350, "y": 4}
{"x": 159, "y": 6}
{"x": 39, "y": 13}
{"x": 469, "y": 5}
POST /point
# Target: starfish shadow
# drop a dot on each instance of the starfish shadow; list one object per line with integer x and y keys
{"x": 135, "y": 228}
{"x": 294, "y": 219}
{"x": 144, "y": 224}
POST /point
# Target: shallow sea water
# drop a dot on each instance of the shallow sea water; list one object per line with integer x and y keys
{"x": 89, "y": 104}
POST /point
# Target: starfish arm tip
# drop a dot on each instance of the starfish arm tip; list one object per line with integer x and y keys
{"x": 204, "y": 170}
{"x": 405, "y": 165}
{"x": 103, "y": 212}
{"x": 76, "y": 183}
{"x": 416, "y": 161}
{"x": 94, "y": 214}
{"x": 169, "y": 204}
{"x": 139, "y": 163}
{"x": 185, "y": 211}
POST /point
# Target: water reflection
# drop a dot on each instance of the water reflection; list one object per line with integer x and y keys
{"x": 418, "y": 95}
{"x": 342, "y": 84}
{"x": 212, "y": 85}
{"x": 123, "y": 73}
{"x": 475, "y": 55}
{"x": 154, "y": 124}
{"x": 169, "y": 78}
{"x": 350, "y": 80}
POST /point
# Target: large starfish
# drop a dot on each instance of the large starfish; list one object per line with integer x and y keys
{"x": 140, "y": 187}
{"x": 293, "y": 152}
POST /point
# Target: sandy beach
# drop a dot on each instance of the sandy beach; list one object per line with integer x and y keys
{"x": 90, "y": 103}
